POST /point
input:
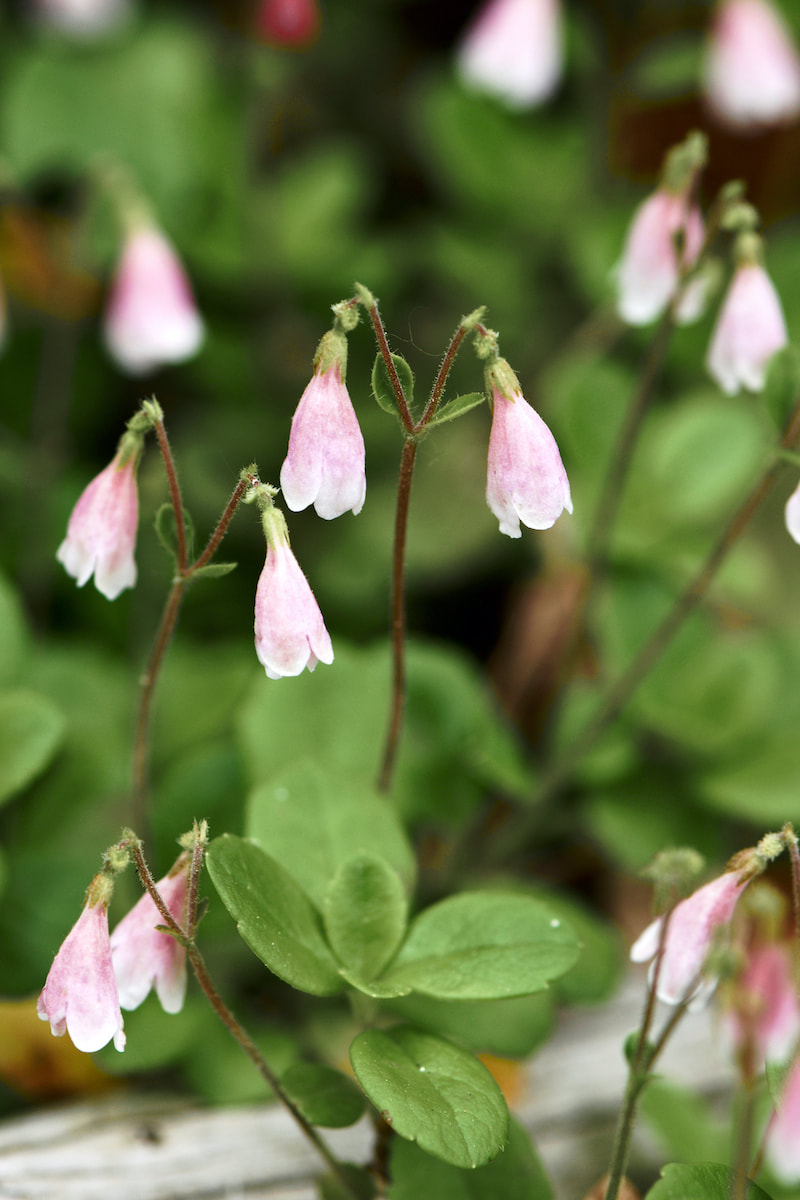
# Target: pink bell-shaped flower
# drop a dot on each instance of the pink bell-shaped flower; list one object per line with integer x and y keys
{"x": 690, "y": 933}
{"x": 647, "y": 276}
{"x": 289, "y": 630}
{"x": 288, "y": 22}
{"x": 101, "y": 534}
{"x": 767, "y": 1011}
{"x": 513, "y": 50}
{"x": 151, "y": 317}
{"x": 324, "y": 465}
{"x": 142, "y": 956}
{"x": 80, "y": 994}
{"x": 526, "y": 480}
{"x": 783, "y": 1136}
{"x": 751, "y": 76}
{"x": 750, "y": 327}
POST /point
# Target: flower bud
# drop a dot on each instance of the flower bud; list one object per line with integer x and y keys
{"x": 289, "y": 630}
{"x": 751, "y": 76}
{"x": 151, "y": 317}
{"x": 513, "y": 50}
{"x": 80, "y": 994}
{"x": 526, "y": 480}
{"x": 101, "y": 534}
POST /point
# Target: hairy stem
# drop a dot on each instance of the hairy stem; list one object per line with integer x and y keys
{"x": 174, "y": 495}
{"x": 397, "y": 387}
{"x": 441, "y": 378}
{"x": 398, "y": 614}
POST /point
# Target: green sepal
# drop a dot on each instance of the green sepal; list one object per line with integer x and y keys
{"x": 457, "y": 407}
{"x": 433, "y": 1093}
{"x": 382, "y": 388}
{"x": 324, "y": 1095}
{"x": 166, "y": 530}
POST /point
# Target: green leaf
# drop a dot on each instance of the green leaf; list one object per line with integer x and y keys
{"x": 483, "y": 946}
{"x": 31, "y": 730}
{"x": 776, "y": 1075}
{"x": 273, "y": 915}
{"x": 516, "y": 1174}
{"x": 13, "y": 633}
{"x": 324, "y": 1095}
{"x": 510, "y": 1028}
{"x": 433, "y": 1093}
{"x": 213, "y": 571}
{"x": 703, "y": 1181}
{"x": 167, "y": 530}
{"x": 682, "y": 1121}
{"x": 365, "y": 914}
{"x": 360, "y": 1184}
{"x": 783, "y": 384}
{"x": 346, "y": 817}
{"x": 382, "y": 388}
{"x": 457, "y": 407}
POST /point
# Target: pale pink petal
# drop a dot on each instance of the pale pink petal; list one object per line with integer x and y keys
{"x": 513, "y": 50}
{"x": 783, "y": 1138}
{"x": 526, "y": 480}
{"x": 324, "y": 465}
{"x": 750, "y": 328}
{"x": 289, "y": 630}
{"x": 752, "y": 69}
{"x": 143, "y": 957}
{"x": 648, "y": 273}
{"x": 101, "y": 534}
{"x": 80, "y": 994}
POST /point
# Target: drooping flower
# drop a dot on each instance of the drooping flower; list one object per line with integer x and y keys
{"x": 82, "y": 18}
{"x": 289, "y": 630}
{"x": 288, "y": 22}
{"x": 142, "y": 956}
{"x": 80, "y": 994}
{"x": 151, "y": 318}
{"x": 767, "y": 1011}
{"x": 792, "y": 514}
{"x": 513, "y": 50}
{"x": 101, "y": 534}
{"x": 750, "y": 326}
{"x": 751, "y": 75}
{"x": 648, "y": 274}
{"x": 324, "y": 465}
{"x": 783, "y": 1135}
{"x": 526, "y": 480}
{"x": 690, "y": 933}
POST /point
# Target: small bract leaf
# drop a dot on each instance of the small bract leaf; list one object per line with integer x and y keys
{"x": 31, "y": 731}
{"x": 273, "y": 914}
{"x": 213, "y": 571}
{"x": 433, "y": 1093}
{"x": 457, "y": 408}
{"x": 324, "y": 1095}
{"x": 382, "y": 388}
{"x": 167, "y": 532}
{"x": 365, "y": 915}
{"x": 484, "y": 946}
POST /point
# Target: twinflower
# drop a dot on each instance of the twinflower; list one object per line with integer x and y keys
{"x": 752, "y": 70}
{"x": 143, "y": 957}
{"x": 513, "y": 50}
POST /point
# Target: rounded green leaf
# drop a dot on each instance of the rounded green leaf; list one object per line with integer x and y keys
{"x": 433, "y": 1093}
{"x": 365, "y": 915}
{"x": 324, "y": 1095}
{"x": 382, "y": 388}
{"x": 31, "y": 731}
{"x": 484, "y": 946}
{"x": 701, "y": 1181}
{"x": 273, "y": 914}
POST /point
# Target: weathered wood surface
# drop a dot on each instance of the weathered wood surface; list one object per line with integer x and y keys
{"x": 134, "y": 1146}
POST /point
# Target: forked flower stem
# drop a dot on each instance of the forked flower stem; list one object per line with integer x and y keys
{"x": 228, "y": 1019}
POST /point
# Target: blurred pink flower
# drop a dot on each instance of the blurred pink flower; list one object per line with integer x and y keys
{"x": 101, "y": 534}
{"x": 752, "y": 70}
{"x": 80, "y": 994}
{"x": 289, "y": 629}
{"x": 325, "y": 461}
{"x": 288, "y": 22}
{"x": 792, "y": 514}
{"x": 143, "y": 957}
{"x": 513, "y": 50}
{"x": 767, "y": 1008}
{"x": 82, "y": 18}
{"x": 647, "y": 276}
{"x": 783, "y": 1135}
{"x": 689, "y": 937}
{"x": 526, "y": 479}
{"x": 151, "y": 318}
{"x": 750, "y": 328}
